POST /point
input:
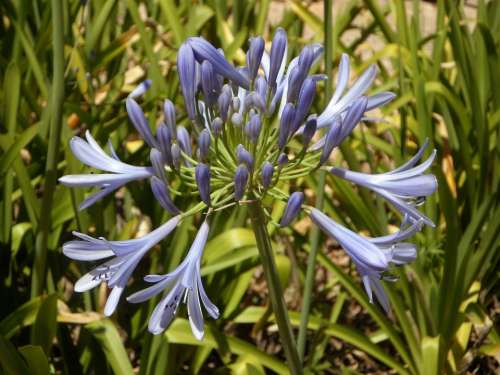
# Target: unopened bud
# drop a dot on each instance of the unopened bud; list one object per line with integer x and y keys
{"x": 292, "y": 208}
{"x": 240, "y": 181}
{"x": 204, "y": 144}
{"x": 267, "y": 174}
{"x": 202, "y": 175}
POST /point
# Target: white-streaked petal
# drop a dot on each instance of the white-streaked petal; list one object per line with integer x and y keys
{"x": 342, "y": 79}
{"x": 414, "y": 160}
{"x": 93, "y": 198}
{"x": 379, "y": 100}
{"x": 380, "y": 293}
{"x": 265, "y": 63}
{"x": 402, "y": 253}
{"x": 165, "y": 311}
{"x": 368, "y": 287}
{"x": 416, "y": 186}
{"x": 149, "y": 292}
{"x": 358, "y": 88}
{"x": 82, "y": 250}
{"x": 97, "y": 275}
{"x": 404, "y": 207}
{"x": 212, "y": 310}
{"x": 400, "y": 235}
{"x": 360, "y": 249}
{"x": 92, "y": 155}
{"x": 194, "y": 312}
{"x": 112, "y": 301}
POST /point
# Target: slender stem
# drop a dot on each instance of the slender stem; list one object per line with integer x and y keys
{"x": 273, "y": 283}
{"x": 320, "y": 192}
{"x": 38, "y": 279}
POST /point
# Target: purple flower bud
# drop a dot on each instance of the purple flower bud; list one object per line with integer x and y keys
{"x": 278, "y": 49}
{"x": 267, "y": 174}
{"x": 209, "y": 83}
{"x": 161, "y": 194}
{"x": 306, "y": 59}
{"x": 286, "y": 121}
{"x": 254, "y": 56}
{"x": 139, "y": 120}
{"x": 204, "y": 144}
{"x": 309, "y": 130}
{"x": 224, "y": 101}
{"x": 240, "y": 181}
{"x": 184, "y": 140}
{"x": 254, "y": 100}
{"x": 202, "y": 174}
{"x": 158, "y": 163}
{"x": 141, "y": 89}
{"x": 237, "y": 119}
{"x": 295, "y": 80}
{"x": 261, "y": 87}
{"x": 175, "y": 150}
{"x": 331, "y": 140}
{"x": 205, "y": 51}
{"x": 253, "y": 128}
{"x": 244, "y": 157}
{"x": 164, "y": 142}
{"x": 169, "y": 113}
{"x": 187, "y": 77}
{"x": 217, "y": 126}
{"x": 292, "y": 208}
{"x": 306, "y": 97}
{"x": 282, "y": 160}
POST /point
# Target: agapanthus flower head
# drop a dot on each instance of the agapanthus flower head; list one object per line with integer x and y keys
{"x": 249, "y": 129}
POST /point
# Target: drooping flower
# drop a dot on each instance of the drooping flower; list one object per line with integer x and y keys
{"x": 92, "y": 155}
{"x": 182, "y": 285}
{"x": 116, "y": 271}
{"x": 372, "y": 256}
{"x": 401, "y": 187}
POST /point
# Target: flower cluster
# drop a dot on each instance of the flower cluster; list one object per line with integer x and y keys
{"x": 253, "y": 133}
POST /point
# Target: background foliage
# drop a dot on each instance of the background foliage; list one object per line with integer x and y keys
{"x": 66, "y": 66}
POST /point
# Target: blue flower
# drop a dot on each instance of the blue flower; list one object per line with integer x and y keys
{"x": 182, "y": 285}
{"x": 116, "y": 271}
{"x": 339, "y": 102}
{"x": 92, "y": 155}
{"x": 403, "y": 187}
{"x": 372, "y": 256}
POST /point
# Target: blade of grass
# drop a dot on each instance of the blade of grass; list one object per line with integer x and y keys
{"x": 320, "y": 194}
{"x": 39, "y": 268}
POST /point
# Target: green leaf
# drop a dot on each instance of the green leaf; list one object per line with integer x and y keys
{"x": 430, "y": 356}
{"x": 38, "y": 364}
{"x": 180, "y": 333}
{"x": 16, "y": 146}
{"x": 105, "y": 332}
{"x": 12, "y": 363}
{"x": 220, "y": 246}
{"x": 18, "y": 232}
{"x": 23, "y": 316}
{"x": 44, "y": 329}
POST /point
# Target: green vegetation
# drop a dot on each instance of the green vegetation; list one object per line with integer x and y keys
{"x": 67, "y": 66}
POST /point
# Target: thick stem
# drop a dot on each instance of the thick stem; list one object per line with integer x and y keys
{"x": 273, "y": 283}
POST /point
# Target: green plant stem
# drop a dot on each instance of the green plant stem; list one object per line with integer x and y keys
{"x": 320, "y": 194}
{"x": 39, "y": 269}
{"x": 273, "y": 283}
